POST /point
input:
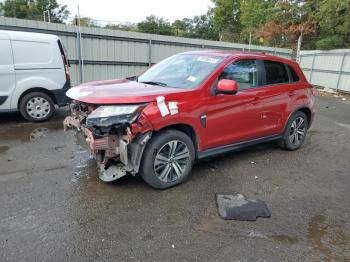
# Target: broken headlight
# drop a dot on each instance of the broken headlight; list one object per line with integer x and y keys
{"x": 109, "y": 115}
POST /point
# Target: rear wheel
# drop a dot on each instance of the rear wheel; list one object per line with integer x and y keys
{"x": 295, "y": 132}
{"x": 36, "y": 107}
{"x": 168, "y": 159}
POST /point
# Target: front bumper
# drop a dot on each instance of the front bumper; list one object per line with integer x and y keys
{"x": 115, "y": 155}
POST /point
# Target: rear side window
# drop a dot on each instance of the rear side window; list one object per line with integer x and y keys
{"x": 294, "y": 76}
{"x": 244, "y": 72}
{"x": 276, "y": 73}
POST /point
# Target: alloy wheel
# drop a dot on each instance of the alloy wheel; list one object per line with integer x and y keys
{"x": 171, "y": 161}
{"x": 297, "y": 131}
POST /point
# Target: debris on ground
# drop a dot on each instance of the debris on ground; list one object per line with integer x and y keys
{"x": 329, "y": 92}
{"x": 237, "y": 207}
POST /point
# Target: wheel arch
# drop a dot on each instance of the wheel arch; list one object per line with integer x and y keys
{"x": 306, "y": 110}
{"x": 36, "y": 89}
{"x": 185, "y": 128}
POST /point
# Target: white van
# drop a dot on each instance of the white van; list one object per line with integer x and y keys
{"x": 34, "y": 74}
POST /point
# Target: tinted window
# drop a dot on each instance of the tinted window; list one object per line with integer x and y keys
{"x": 295, "y": 77}
{"x": 244, "y": 72}
{"x": 276, "y": 73}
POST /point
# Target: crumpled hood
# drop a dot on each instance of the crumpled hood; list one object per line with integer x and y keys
{"x": 118, "y": 91}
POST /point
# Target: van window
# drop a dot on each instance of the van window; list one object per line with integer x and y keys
{"x": 28, "y": 52}
{"x": 276, "y": 73}
{"x": 244, "y": 72}
{"x": 294, "y": 76}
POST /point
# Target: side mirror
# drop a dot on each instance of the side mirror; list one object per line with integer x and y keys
{"x": 228, "y": 87}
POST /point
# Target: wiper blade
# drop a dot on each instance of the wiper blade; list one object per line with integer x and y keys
{"x": 154, "y": 83}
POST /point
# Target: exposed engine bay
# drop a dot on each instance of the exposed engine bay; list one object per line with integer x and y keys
{"x": 115, "y": 135}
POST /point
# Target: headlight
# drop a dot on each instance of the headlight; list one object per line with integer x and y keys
{"x": 110, "y": 115}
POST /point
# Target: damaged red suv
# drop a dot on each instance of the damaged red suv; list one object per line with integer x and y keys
{"x": 187, "y": 107}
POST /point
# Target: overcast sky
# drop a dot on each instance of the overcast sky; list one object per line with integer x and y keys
{"x": 137, "y": 10}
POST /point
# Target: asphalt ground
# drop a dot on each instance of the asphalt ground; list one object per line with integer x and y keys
{"x": 53, "y": 207}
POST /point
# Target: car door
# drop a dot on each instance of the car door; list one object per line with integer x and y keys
{"x": 7, "y": 72}
{"x": 236, "y": 117}
{"x": 276, "y": 94}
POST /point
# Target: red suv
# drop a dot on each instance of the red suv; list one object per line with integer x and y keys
{"x": 187, "y": 107}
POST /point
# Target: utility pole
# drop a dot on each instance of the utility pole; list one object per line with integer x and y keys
{"x": 48, "y": 13}
{"x": 300, "y": 39}
{"x": 250, "y": 39}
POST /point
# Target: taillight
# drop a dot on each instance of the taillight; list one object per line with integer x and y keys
{"x": 66, "y": 67}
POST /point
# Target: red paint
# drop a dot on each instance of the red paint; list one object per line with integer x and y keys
{"x": 248, "y": 114}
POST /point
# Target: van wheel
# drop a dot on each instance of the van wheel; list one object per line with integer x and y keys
{"x": 167, "y": 159}
{"x": 36, "y": 107}
{"x": 295, "y": 132}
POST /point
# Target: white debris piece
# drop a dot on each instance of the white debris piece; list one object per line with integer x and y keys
{"x": 162, "y": 106}
{"x": 173, "y": 108}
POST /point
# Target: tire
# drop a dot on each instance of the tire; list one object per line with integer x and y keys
{"x": 36, "y": 107}
{"x": 163, "y": 168}
{"x": 295, "y": 131}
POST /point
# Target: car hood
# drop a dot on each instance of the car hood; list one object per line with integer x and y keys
{"x": 118, "y": 91}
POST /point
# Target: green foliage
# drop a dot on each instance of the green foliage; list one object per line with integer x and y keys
{"x": 227, "y": 19}
{"x": 331, "y": 42}
{"x": 155, "y": 25}
{"x": 33, "y": 9}
{"x": 85, "y": 21}
{"x": 253, "y": 15}
{"x": 325, "y": 24}
{"x": 333, "y": 17}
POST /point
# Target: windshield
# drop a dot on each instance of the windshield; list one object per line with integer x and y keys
{"x": 182, "y": 71}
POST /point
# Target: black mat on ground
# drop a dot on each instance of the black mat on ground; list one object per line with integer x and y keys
{"x": 237, "y": 207}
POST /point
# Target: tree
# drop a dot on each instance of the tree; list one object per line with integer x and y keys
{"x": 204, "y": 28}
{"x": 289, "y": 19}
{"x": 155, "y": 25}
{"x": 331, "y": 42}
{"x": 334, "y": 21}
{"x": 227, "y": 19}
{"x": 253, "y": 15}
{"x": 183, "y": 27}
{"x": 85, "y": 21}
{"x": 33, "y": 9}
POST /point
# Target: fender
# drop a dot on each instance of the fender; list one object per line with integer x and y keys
{"x": 182, "y": 118}
{"x": 32, "y": 82}
{"x": 298, "y": 109}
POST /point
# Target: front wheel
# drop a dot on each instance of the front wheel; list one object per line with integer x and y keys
{"x": 167, "y": 159}
{"x": 295, "y": 132}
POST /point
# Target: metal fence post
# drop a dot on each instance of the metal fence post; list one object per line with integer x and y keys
{"x": 312, "y": 67}
{"x": 340, "y": 70}
{"x": 150, "y": 52}
{"x": 79, "y": 58}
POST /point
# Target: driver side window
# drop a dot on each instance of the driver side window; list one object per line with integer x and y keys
{"x": 244, "y": 72}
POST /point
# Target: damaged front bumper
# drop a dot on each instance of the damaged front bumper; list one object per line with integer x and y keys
{"x": 117, "y": 149}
